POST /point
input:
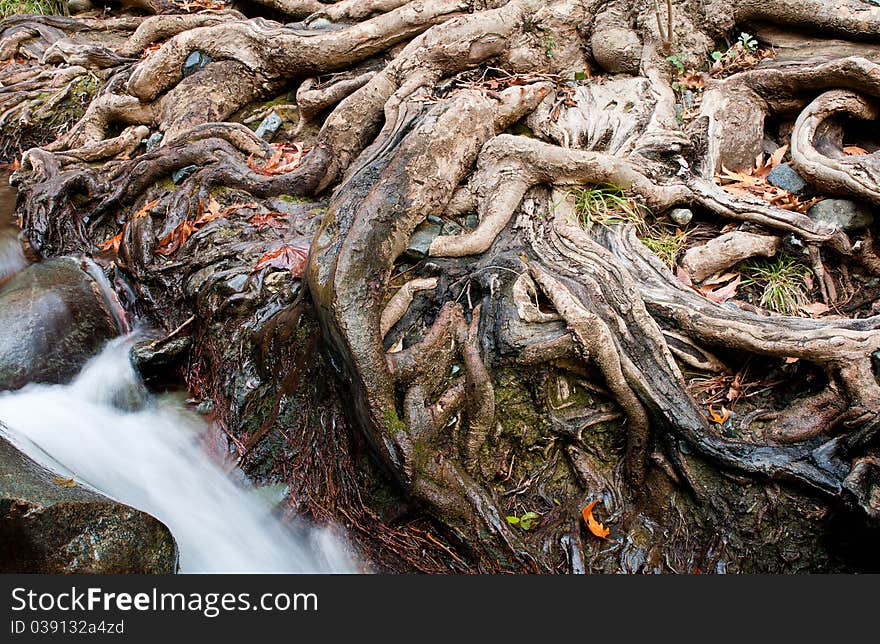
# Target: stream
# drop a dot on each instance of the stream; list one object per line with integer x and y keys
{"x": 107, "y": 432}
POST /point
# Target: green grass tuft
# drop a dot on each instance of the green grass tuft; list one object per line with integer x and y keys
{"x": 41, "y": 7}
{"x": 665, "y": 243}
{"x": 606, "y": 205}
{"x": 782, "y": 282}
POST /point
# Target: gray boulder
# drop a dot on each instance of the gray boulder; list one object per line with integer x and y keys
{"x": 423, "y": 237}
{"x": 54, "y": 316}
{"x": 786, "y": 177}
{"x": 47, "y": 527}
{"x": 842, "y": 214}
{"x": 617, "y": 50}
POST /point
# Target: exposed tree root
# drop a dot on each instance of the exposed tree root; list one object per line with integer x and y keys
{"x": 424, "y": 311}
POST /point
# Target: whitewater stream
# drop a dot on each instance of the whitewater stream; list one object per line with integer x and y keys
{"x": 106, "y": 431}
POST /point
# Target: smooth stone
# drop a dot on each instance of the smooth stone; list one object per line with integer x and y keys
{"x": 196, "y": 61}
{"x": 54, "y": 316}
{"x": 269, "y": 126}
{"x": 79, "y": 6}
{"x": 843, "y": 214}
{"x": 770, "y": 146}
{"x": 50, "y": 528}
{"x": 681, "y": 216}
{"x": 320, "y": 24}
{"x": 617, "y": 50}
{"x": 472, "y": 221}
{"x": 786, "y": 177}
{"x": 420, "y": 242}
{"x": 179, "y": 175}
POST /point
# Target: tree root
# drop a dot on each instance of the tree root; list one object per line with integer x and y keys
{"x": 413, "y": 129}
{"x": 832, "y": 171}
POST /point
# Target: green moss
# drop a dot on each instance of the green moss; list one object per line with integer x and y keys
{"x": 392, "y": 422}
{"x": 281, "y": 100}
{"x": 45, "y": 124}
{"x": 292, "y": 199}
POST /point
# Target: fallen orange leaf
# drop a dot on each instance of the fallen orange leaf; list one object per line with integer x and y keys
{"x": 269, "y": 219}
{"x": 719, "y": 418}
{"x": 172, "y": 242}
{"x": 212, "y": 210}
{"x": 113, "y": 243}
{"x": 286, "y": 158}
{"x": 595, "y": 527}
{"x": 285, "y": 257}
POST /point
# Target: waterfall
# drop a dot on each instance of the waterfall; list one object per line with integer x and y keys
{"x": 107, "y": 432}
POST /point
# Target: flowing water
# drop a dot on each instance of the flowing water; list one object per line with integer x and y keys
{"x": 105, "y": 430}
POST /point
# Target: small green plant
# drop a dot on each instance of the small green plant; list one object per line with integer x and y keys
{"x": 606, "y": 205}
{"x": 748, "y": 43}
{"x": 782, "y": 282}
{"x": 677, "y": 62}
{"x": 666, "y": 244}
{"x": 549, "y": 45}
{"x": 527, "y": 521}
{"x": 744, "y": 45}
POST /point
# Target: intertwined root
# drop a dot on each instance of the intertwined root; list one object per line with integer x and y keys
{"x": 406, "y": 134}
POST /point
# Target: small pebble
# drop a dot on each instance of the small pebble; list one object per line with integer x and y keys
{"x": 681, "y": 216}
{"x": 179, "y": 175}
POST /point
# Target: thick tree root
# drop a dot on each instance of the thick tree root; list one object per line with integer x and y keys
{"x": 409, "y": 105}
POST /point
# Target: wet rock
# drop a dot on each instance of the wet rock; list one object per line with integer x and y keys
{"x": 420, "y": 242}
{"x": 786, "y": 177}
{"x": 843, "y": 214}
{"x": 54, "y": 316}
{"x": 154, "y": 141}
{"x": 79, "y": 6}
{"x": 617, "y": 50}
{"x": 681, "y": 216}
{"x": 472, "y": 221}
{"x": 195, "y": 62}
{"x": 269, "y": 126}
{"x": 179, "y": 175}
{"x": 154, "y": 359}
{"x": 50, "y": 528}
